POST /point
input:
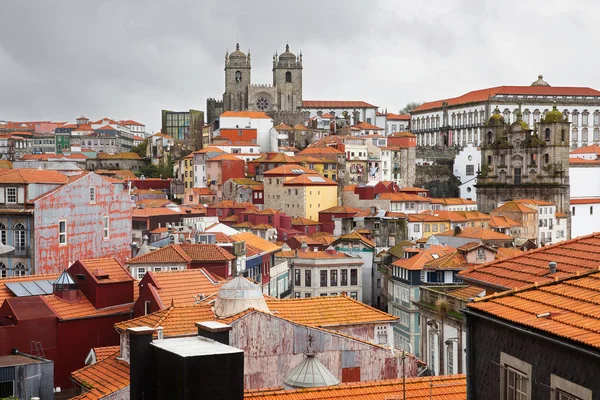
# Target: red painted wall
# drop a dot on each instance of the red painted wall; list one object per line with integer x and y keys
{"x": 101, "y": 295}
{"x": 233, "y": 135}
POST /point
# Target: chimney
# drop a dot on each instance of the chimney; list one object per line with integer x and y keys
{"x": 552, "y": 266}
{"x": 457, "y": 230}
{"x": 140, "y": 363}
{"x": 133, "y": 246}
{"x": 373, "y": 210}
{"x": 214, "y": 330}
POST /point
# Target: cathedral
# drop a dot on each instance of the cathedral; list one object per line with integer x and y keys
{"x": 282, "y": 100}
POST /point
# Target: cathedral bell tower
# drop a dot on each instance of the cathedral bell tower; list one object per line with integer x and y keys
{"x": 237, "y": 80}
{"x": 287, "y": 78}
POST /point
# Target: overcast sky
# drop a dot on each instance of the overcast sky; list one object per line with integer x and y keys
{"x": 128, "y": 59}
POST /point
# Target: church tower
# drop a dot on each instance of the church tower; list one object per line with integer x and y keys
{"x": 287, "y": 78}
{"x": 237, "y": 80}
{"x": 520, "y": 163}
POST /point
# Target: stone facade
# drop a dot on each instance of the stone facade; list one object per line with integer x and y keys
{"x": 283, "y": 95}
{"x": 519, "y": 162}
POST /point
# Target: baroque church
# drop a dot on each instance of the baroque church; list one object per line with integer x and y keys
{"x": 518, "y": 162}
{"x": 281, "y": 100}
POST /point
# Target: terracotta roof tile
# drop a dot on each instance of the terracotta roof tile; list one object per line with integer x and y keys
{"x": 452, "y": 201}
{"x": 320, "y": 150}
{"x": 289, "y": 170}
{"x": 102, "y": 378}
{"x": 467, "y": 292}
{"x": 310, "y": 180}
{"x": 418, "y": 261}
{"x": 572, "y": 256}
{"x": 445, "y": 387}
{"x": 180, "y": 287}
{"x": 6, "y": 293}
{"x": 355, "y": 236}
{"x": 183, "y": 254}
{"x": 256, "y": 241}
{"x": 107, "y": 267}
{"x": 572, "y": 303}
{"x": 245, "y": 114}
{"x": 81, "y": 308}
{"x": 477, "y": 233}
{"x": 335, "y": 104}
{"x": 340, "y": 210}
{"x": 367, "y": 126}
{"x": 592, "y": 149}
{"x": 25, "y": 175}
{"x": 301, "y": 221}
{"x": 105, "y": 352}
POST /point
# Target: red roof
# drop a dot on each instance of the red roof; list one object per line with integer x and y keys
{"x": 245, "y": 114}
{"x": 481, "y": 95}
{"x": 130, "y": 122}
{"x": 106, "y": 128}
{"x": 398, "y": 117}
{"x": 183, "y": 254}
{"x": 335, "y": 104}
{"x": 592, "y": 149}
{"x": 367, "y": 126}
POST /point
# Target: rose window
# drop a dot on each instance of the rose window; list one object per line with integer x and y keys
{"x": 262, "y": 104}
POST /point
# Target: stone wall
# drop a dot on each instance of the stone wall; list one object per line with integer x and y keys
{"x": 438, "y": 179}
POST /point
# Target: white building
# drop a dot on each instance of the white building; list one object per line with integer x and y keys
{"x": 358, "y": 110}
{"x": 460, "y": 120}
{"x": 466, "y": 165}
{"x": 585, "y": 194}
{"x": 250, "y": 119}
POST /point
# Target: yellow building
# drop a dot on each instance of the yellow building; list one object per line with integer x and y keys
{"x": 186, "y": 171}
{"x": 428, "y": 224}
{"x": 323, "y": 166}
{"x": 299, "y": 191}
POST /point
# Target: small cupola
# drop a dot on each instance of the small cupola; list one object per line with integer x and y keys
{"x": 65, "y": 287}
{"x": 310, "y": 372}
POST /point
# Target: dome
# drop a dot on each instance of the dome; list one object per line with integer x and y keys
{"x": 554, "y": 116}
{"x": 238, "y": 295}
{"x": 237, "y": 53}
{"x": 288, "y": 54}
{"x": 310, "y": 373}
{"x": 496, "y": 119}
{"x": 540, "y": 81}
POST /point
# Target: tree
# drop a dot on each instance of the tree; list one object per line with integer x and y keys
{"x": 141, "y": 148}
{"x": 409, "y": 107}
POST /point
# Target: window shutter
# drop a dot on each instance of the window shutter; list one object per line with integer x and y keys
{"x": 21, "y": 195}
{"x": 2, "y": 199}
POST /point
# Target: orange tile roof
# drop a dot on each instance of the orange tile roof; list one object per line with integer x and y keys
{"x": 301, "y": 221}
{"x": 355, "y": 236}
{"x": 404, "y": 197}
{"x": 473, "y": 215}
{"x": 327, "y": 311}
{"x": 105, "y": 352}
{"x": 289, "y": 170}
{"x": 398, "y": 117}
{"x": 583, "y": 200}
{"x": 25, "y": 175}
{"x": 572, "y": 256}
{"x": 505, "y": 252}
{"x": 452, "y": 201}
{"x": 183, "y": 254}
{"x": 455, "y": 260}
{"x": 180, "y": 287}
{"x": 315, "y": 255}
{"x": 484, "y": 94}
{"x": 99, "y": 267}
{"x": 126, "y": 156}
{"x": 310, "y": 180}
{"x": 501, "y": 222}
{"x": 320, "y": 150}
{"x": 534, "y": 202}
{"x": 592, "y": 149}
{"x": 402, "y": 134}
{"x": 153, "y": 211}
{"x": 445, "y": 387}
{"x": 572, "y": 303}
{"x": 583, "y": 161}
{"x": 224, "y": 157}
{"x": 367, "y": 126}
{"x": 283, "y": 127}
{"x": 245, "y": 114}
{"x": 418, "y": 261}
{"x": 130, "y": 122}
{"x": 209, "y": 150}
{"x": 81, "y": 308}
{"x": 102, "y": 378}
{"x": 340, "y": 210}
{"x": 349, "y": 188}
{"x": 335, "y": 104}
{"x": 477, "y": 233}
{"x": 256, "y": 241}
{"x": 447, "y": 215}
{"x": 466, "y": 293}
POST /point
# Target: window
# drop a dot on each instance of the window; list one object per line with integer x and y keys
{"x": 288, "y": 77}
{"x": 343, "y": 277}
{"x": 333, "y": 277}
{"x": 11, "y": 195}
{"x": 480, "y": 254}
{"x": 307, "y": 278}
{"x": 92, "y": 195}
{"x": 517, "y": 176}
{"x": 584, "y": 118}
{"x": 563, "y": 389}
{"x": 19, "y": 269}
{"x": 470, "y": 169}
{"x": 323, "y": 278}
{"x": 7, "y": 389}
{"x": 19, "y": 241}
{"x": 574, "y": 135}
{"x": 596, "y": 134}
{"x": 416, "y": 228}
{"x": 3, "y": 270}
{"x": 584, "y": 134}
{"x": 515, "y": 380}
{"x": 574, "y": 118}
{"x": 105, "y": 227}
{"x": 354, "y": 295}
{"x": 3, "y": 233}
{"x": 296, "y": 295}
{"x": 546, "y": 158}
{"x": 450, "y": 359}
{"x": 354, "y": 276}
{"x": 62, "y": 232}
{"x": 147, "y": 308}
{"x": 547, "y": 135}
{"x": 297, "y": 275}
{"x": 141, "y": 271}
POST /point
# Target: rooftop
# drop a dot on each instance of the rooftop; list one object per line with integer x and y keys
{"x": 181, "y": 287}
{"x": 335, "y": 104}
{"x": 183, "y": 254}
{"x": 575, "y": 256}
{"x": 245, "y": 114}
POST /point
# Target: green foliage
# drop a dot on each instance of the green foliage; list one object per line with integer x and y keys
{"x": 157, "y": 171}
{"x": 141, "y": 148}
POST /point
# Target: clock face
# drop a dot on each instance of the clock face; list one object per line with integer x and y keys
{"x": 262, "y": 104}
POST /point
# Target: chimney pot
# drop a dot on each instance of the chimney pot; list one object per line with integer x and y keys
{"x": 552, "y": 266}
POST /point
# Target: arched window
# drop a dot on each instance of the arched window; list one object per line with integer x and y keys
{"x": 490, "y": 137}
{"x": 449, "y": 358}
{"x": 596, "y": 118}
{"x": 19, "y": 269}
{"x": 574, "y": 135}
{"x": 3, "y": 233}
{"x": 3, "y": 270}
{"x": 596, "y": 134}
{"x": 288, "y": 77}
{"x": 547, "y": 134}
{"x": 506, "y": 115}
{"x": 585, "y": 118}
{"x": 238, "y": 76}
{"x": 584, "y": 135}
{"x": 20, "y": 241}
{"x": 562, "y": 135}
{"x": 575, "y": 118}
{"x": 536, "y": 116}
